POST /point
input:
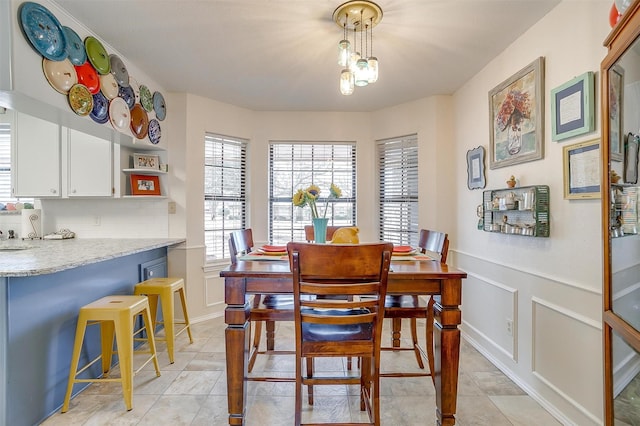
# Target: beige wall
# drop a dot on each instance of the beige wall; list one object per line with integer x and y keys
{"x": 550, "y": 287}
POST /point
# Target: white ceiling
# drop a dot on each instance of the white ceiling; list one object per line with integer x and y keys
{"x": 281, "y": 55}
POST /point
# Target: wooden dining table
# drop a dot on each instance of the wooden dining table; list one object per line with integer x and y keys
{"x": 424, "y": 277}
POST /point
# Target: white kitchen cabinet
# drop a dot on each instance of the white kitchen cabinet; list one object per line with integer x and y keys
{"x": 36, "y": 157}
{"x": 89, "y": 165}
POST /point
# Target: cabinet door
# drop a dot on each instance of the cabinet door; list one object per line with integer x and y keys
{"x": 89, "y": 166}
{"x": 36, "y": 157}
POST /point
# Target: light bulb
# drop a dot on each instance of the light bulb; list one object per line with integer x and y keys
{"x": 347, "y": 82}
{"x": 362, "y": 72}
{"x": 373, "y": 69}
{"x": 353, "y": 60}
{"x": 344, "y": 52}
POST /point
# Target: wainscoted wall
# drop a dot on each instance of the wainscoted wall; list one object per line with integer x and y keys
{"x": 552, "y": 348}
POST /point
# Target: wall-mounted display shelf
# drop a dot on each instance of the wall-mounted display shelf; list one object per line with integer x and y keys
{"x": 519, "y": 211}
{"x": 624, "y": 210}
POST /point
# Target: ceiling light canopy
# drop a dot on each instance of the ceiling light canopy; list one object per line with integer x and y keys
{"x": 359, "y": 66}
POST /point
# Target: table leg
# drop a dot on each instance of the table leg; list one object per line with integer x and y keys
{"x": 237, "y": 336}
{"x": 447, "y": 350}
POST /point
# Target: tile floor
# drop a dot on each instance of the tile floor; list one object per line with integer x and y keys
{"x": 192, "y": 391}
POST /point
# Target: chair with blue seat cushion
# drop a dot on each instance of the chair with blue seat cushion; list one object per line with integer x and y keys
{"x": 339, "y": 293}
{"x": 413, "y": 307}
{"x": 266, "y": 308}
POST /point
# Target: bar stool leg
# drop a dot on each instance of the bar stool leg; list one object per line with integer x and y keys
{"x": 75, "y": 358}
{"x": 148, "y": 322}
{"x": 183, "y": 302}
{"x": 167, "y": 313}
{"x": 153, "y": 308}
{"x": 125, "y": 353}
{"x": 106, "y": 338}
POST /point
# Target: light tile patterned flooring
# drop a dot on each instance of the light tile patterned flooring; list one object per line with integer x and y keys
{"x": 192, "y": 391}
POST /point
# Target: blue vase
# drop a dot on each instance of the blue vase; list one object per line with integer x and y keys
{"x": 320, "y": 229}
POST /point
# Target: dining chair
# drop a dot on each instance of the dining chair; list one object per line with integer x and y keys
{"x": 414, "y": 307}
{"x": 265, "y": 307}
{"x": 346, "y": 326}
{"x": 309, "y": 236}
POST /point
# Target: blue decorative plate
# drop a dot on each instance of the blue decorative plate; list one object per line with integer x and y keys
{"x": 43, "y": 31}
{"x": 100, "y": 111}
{"x": 127, "y": 94}
{"x": 159, "y": 106}
{"x": 75, "y": 47}
{"x": 154, "y": 131}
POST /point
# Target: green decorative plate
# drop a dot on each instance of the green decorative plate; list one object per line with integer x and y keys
{"x": 80, "y": 99}
{"x": 97, "y": 55}
{"x": 146, "y": 100}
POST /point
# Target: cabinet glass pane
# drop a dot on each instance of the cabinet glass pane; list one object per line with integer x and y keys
{"x": 626, "y": 383}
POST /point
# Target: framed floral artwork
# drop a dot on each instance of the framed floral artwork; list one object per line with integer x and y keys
{"x": 616, "y": 84}
{"x": 475, "y": 168}
{"x": 516, "y": 117}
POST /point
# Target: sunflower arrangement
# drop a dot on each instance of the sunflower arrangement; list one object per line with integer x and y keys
{"x": 309, "y": 197}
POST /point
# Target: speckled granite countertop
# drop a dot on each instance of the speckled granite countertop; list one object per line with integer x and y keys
{"x": 49, "y": 256}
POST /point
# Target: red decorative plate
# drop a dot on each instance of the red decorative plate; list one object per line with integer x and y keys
{"x": 88, "y": 76}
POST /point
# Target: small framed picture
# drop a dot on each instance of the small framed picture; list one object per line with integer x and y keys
{"x": 145, "y": 185}
{"x": 582, "y": 170}
{"x": 144, "y": 161}
{"x": 572, "y": 108}
{"x": 475, "y": 168}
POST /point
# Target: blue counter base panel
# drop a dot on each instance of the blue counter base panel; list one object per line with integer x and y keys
{"x": 38, "y": 318}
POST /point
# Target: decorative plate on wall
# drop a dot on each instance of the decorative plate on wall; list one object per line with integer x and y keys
{"x": 75, "y": 48}
{"x": 88, "y": 76}
{"x": 80, "y": 99}
{"x": 159, "y": 106}
{"x": 155, "y": 133}
{"x": 145, "y": 98}
{"x": 139, "y": 122}
{"x": 126, "y": 93}
{"x": 97, "y": 55}
{"x": 43, "y": 30}
{"x": 61, "y": 75}
{"x": 109, "y": 86}
{"x": 119, "y": 114}
{"x": 119, "y": 70}
{"x": 100, "y": 111}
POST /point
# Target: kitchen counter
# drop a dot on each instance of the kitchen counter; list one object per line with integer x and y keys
{"x": 49, "y": 256}
{"x": 43, "y": 285}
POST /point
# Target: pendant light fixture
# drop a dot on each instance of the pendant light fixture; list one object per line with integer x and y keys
{"x": 361, "y": 67}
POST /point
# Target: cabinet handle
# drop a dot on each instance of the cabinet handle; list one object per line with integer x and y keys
{"x": 73, "y": 191}
{"x": 54, "y": 191}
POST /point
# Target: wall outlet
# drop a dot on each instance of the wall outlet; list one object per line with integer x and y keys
{"x": 509, "y": 326}
{"x": 172, "y": 207}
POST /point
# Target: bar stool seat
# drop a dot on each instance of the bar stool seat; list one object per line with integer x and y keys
{"x": 116, "y": 316}
{"x": 165, "y": 288}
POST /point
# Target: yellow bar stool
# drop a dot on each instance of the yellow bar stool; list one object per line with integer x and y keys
{"x": 165, "y": 288}
{"x": 116, "y": 315}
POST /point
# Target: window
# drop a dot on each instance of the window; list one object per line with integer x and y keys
{"x": 398, "y": 161}
{"x": 5, "y": 167}
{"x": 294, "y": 166}
{"x": 225, "y": 199}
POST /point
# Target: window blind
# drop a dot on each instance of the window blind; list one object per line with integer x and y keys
{"x": 297, "y": 165}
{"x": 225, "y": 196}
{"x": 398, "y": 184}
